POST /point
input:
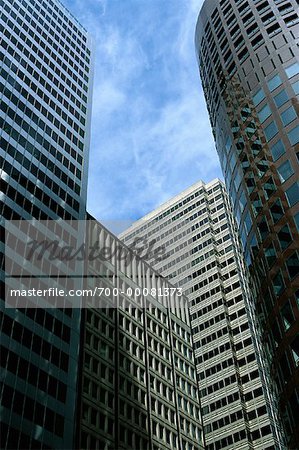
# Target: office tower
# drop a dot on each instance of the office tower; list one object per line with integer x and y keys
{"x": 198, "y": 231}
{"x": 45, "y": 94}
{"x": 248, "y": 59}
{"x": 138, "y": 388}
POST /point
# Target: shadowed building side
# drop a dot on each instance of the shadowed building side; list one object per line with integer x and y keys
{"x": 138, "y": 381}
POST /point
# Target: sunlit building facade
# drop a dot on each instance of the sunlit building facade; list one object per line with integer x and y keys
{"x": 248, "y": 59}
{"x": 204, "y": 258}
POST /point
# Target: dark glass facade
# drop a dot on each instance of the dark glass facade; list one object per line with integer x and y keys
{"x": 248, "y": 60}
{"x": 45, "y": 96}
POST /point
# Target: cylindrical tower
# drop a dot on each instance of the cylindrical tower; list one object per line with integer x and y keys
{"x": 248, "y": 59}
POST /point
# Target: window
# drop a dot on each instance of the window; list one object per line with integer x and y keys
{"x": 295, "y": 349}
{"x": 287, "y": 315}
{"x": 292, "y": 194}
{"x": 293, "y": 265}
{"x": 248, "y": 222}
{"x": 257, "y": 205}
{"x": 271, "y": 130}
{"x": 258, "y": 97}
{"x": 285, "y": 237}
{"x": 274, "y": 82}
{"x": 270, "y": 254}
{"x": 292, "y": 70}
{"x": 237, "y": 178}
{"x": 281, "y": 98}
{"x": 285, "y": 171}
{"x": 274, "y": 29}
{"x": 263, "y": 228}
{"x": 278, "y": 284}
{"x": 242, "y": 201}
{"x": 293, "y": 135}
{"x": 277, "y": 211}
{"x": 277, "y": 150}
{"x": 288, "y": 115}
{"x": 296, "y": 218}
{"x": 296, "y": 87}
{"x": 257, "y": 41}
{"x": 264, "y": 113}
{"x": 269, "y": 187}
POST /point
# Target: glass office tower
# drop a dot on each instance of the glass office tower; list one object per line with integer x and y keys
{"x": 138, "y": 388}
{"x": 248, "y": 59}
{"x": 45, "y": 93}
{"x": 204, "y": 258}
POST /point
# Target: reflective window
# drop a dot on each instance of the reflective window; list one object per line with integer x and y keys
{"x": 285, "y": 171}
{"x": 258, "y": 97}
{"x": 240, "y": 145}
{"x": 295, "y": 349}
{"x": 251, "y": 129}
{"x": 277, "y": 211}
{"x": 245, "y": 113}
{"x": 228, "y": 177}
{"x": 264, "y": 113}
{"x": 254, "y": 245}
{"x": 257, "y": 205}
{"x": 248, "y": 222}
{"x": 292, "y": 70}
{"x": 250, "y": 182}
{"x": 293, "y": 265}
{"x": 296, "y": 87}
{"x": 256, "y": 147}
{"x": 262, "y": 167}
{"x": 270, "y": 254}
{"x": 281, "y": 98}
{"x": 263, "y": 228}
{"x": 288, "y": 115}
{"x": 242, "y": 201}
{"x": 296, "y": 218}
{"x": 237, "y": 178}
{"x": 276, "y": 333}
{"x": 293, "y": 135}
{"x": 277, "y": 150}
{"x": 270, "y": 131}
{"x": 274, "y": 82}
{"x": 293, "y": 194}
{"x": 287, "y": 315}
{"x": 245, "y": 164}
{"x": 284, "y": 237}
{"x": 278, "y": 284}
{"x": 269, "y": 188}
{"x": 228, "y": 144}
{"x": 233, "y": 161}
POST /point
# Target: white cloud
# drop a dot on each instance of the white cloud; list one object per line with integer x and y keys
{"x": 107, "y": 98}
{"x": 151, "y": 136}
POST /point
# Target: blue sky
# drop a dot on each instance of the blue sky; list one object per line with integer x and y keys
{"x": 151, "y": 136}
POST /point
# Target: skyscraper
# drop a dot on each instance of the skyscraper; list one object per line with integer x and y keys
{"x": 139, "y": 387}
{"x": 45, "y": 92}
{"x": 204, "y": 258}
{"x": 248, "y": 60}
